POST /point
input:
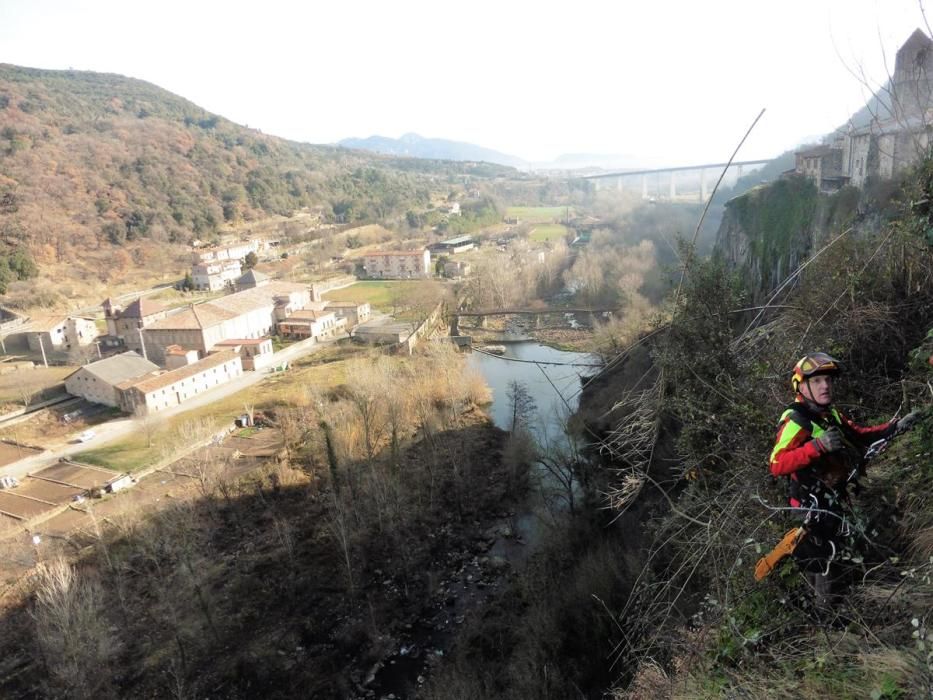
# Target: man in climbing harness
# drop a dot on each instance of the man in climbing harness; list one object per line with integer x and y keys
{"x": 821, "y": 451}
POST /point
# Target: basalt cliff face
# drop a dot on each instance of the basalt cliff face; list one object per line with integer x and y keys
{"x": 769, "y": 231}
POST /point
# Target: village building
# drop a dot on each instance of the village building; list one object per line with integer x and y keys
{"x": 157, "y": 393}
{"x": 249, "y": 314}
{"x": 215, "y": 276}
{"x": 456, "y": 269}
{"x": 97, "y": 381}
{"x": 890, "y": 134}
{"x": 312, "y": 323}
{"x": 401, "y": 264}
{"x": 255, "y": 353}
{"x": 47, "y": 333}
{"x": 355, "y": 313}
{"x": 176, "y": 356}
{"x": 125, "y": 324}
{"x": 452, "y": 246}
{"x": 383, "y": 332}
{"x": 234, "y": 251}
{"x": 250, "y": 280}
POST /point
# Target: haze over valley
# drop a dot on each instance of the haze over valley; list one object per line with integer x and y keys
{"x": 476, "y": 403}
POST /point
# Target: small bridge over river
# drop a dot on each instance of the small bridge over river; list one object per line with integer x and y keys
{"x": 482, "y": 314}
{"x": 530, "y": 311}
{"x": 680, "y": 182}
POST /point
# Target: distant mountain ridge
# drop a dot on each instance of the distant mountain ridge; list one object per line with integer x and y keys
{"x": 415, "y": 146}
{"x": 412, "y": 145}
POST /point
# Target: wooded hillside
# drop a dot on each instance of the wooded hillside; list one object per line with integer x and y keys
{"x": 90, "y": 162}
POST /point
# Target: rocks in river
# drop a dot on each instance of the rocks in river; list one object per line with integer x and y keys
{"x": 496, "y": 564}
{"x": 500, "y": 530}
{"x": 492, "y": 349}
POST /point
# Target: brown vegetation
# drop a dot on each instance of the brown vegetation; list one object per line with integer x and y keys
{"x": 301, "y": 576}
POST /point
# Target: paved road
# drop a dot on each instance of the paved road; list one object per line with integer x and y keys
{"x": 121, "y": 427}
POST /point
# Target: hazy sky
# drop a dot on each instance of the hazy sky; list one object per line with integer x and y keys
{"x": 674, "y": 82}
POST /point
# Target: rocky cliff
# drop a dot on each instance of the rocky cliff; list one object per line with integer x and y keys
{"x": 767, "y": 232}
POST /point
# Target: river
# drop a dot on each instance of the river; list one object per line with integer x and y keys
{"x": 556, "y": 396}
{"x": 562, "y": 377}
{"x": 516, "y": 536}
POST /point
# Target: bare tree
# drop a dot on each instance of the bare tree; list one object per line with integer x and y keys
{"x": 340, "y": 529}
{"x": 72, "y": 631}
{"x": 369, "y": 393}
{"x": 149, "y": 423}
{"x": 28, "y": 387}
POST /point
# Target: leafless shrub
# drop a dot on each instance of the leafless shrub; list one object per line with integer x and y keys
{"x": 72, "y": 630}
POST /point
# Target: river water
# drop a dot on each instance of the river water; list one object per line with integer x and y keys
{"x": 556, "y": 395}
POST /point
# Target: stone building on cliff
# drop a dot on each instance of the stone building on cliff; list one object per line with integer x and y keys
{"x": 889, "y": 134}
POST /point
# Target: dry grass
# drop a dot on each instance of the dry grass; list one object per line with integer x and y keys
{"x": 31, "y": 381}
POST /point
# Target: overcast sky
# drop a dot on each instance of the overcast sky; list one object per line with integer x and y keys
{"x": 674, "y": 82}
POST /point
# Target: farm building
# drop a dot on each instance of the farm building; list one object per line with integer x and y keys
{"x": 151, "y": 394}
{"x": 452, "y": 246}
{"x": 97, "y": 381}
{"x": 249, "y": 314}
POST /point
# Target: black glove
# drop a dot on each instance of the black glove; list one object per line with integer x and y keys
{"x": 830, "y": 441}
{"x": 907, "y": 422}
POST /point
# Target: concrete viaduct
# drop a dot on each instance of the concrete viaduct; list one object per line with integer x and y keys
{"x": 690, "y": 176}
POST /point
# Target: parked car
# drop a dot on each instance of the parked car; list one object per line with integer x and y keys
{"x": 87, "y": 436}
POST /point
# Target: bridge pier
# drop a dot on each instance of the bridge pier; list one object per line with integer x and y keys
{"x": 673, "y": 191}
{"x": 702, "y": 185}
{"x": 741, "y": 169}
{"x": 644, "y": 187}
{"x": 619, "y": 183}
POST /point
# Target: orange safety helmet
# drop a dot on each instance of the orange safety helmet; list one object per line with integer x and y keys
{"x": 813, "y": 364}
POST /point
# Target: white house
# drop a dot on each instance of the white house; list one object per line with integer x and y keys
{"x": 354, "y": 312}
{"x": 157, "y": 393}
{"x": 215, "y": 276}
{"x": 311, "y": 323}
{"x": 59, "y": 332}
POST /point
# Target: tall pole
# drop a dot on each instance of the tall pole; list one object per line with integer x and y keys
{"x": 45, "y": 360}
{"x": 142, "y": 343}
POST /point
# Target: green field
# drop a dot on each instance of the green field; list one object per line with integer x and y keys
{"x": 127, "y": 455}
{"x": 538, "y": 215}
{"x": 547, "y": 232}
{"x": 379, "y": 293}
